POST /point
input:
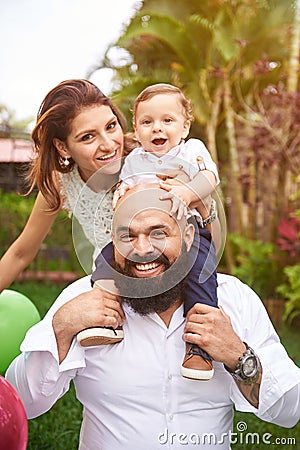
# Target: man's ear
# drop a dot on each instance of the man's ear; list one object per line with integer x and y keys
{"x": 61, "y": 148}
{"x": 186, "y": 129}
{"x": 189, "y": 234}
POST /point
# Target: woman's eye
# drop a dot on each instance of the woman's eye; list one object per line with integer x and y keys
{"x": 168, "y": 120}
{"x": 146, "y": 122}
{"x": 112, "y": 125}
{"x": 87, "y": 137}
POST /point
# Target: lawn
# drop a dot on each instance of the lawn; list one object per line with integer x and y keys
{"x": 59, "y": 428}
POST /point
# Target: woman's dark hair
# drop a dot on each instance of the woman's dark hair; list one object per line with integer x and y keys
{"x": 60, "y": 106}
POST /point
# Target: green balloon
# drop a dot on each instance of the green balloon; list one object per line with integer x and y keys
{"x": 17, "y": 315}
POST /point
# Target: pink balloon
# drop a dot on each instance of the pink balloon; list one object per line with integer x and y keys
{"x": 13, "y": 420}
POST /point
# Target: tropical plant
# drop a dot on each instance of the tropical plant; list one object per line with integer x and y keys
{"x": 256, "y": 265}
{"x": 290, "y": 290}
{"x": 219, "y": 52}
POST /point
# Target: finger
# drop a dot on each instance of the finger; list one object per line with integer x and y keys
{"x": 109, "y": 321}
{"x": 164, "y": 185}
{"x": 202, "y": 308}
{"x": 167, "y": 196}
{"x": 115, "y": 200}
{"x": 113, "y": 313}
{"x": 169, "y": 182}
{"x": 175, "y": 206}
{"x": 162, "y": 176}
{"x": 192, "y": 338}
{"x": 104, "y": 294}
{"x": 197, "y": 318}
{"x": 182, "y": 210}
{"x": 115, "y": 306}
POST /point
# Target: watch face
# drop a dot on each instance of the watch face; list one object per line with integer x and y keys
{"x": 249, "y": 367}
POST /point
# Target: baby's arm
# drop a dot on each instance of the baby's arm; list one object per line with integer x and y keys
{"x": 184, "y": 194}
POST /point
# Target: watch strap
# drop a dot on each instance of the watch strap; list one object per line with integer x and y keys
{"x": 237, "y": 373}
{"x": 212, "y": 215}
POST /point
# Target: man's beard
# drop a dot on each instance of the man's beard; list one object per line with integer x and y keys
{"x": 169, "y": 285}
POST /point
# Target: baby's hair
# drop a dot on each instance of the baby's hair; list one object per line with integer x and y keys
{"x": 60, "y": 106}
{"x": 164, "y": 88}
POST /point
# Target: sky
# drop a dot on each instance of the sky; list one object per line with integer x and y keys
{"x": 44, "y": 42}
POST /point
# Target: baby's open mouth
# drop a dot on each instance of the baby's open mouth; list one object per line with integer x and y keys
{"x": 159, "y": 141}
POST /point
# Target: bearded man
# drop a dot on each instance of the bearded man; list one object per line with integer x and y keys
{"x": 132, "y": 392}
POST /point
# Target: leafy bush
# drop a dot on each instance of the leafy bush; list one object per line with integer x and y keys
{"x": 256, "y": 265}
{"x": 14, "y": 212}
{"x": 290, "y": 290}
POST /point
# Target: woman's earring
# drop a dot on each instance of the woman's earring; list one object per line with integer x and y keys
{"x": 66, "y": 162}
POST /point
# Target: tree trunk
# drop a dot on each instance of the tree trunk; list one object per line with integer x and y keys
{"x": 234, "y": 170}
{"x": 292, "y": 81}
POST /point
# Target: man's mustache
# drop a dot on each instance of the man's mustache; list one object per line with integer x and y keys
{"x": 148, "y": 258}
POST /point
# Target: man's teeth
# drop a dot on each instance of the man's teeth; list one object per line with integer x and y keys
{"x": 147, "y": 266}
{"x": 110, "y": 155}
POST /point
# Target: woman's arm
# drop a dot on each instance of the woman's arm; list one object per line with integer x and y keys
{"x": 24, "y": 249}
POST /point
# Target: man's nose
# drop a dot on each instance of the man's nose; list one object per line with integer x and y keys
{"x": 143, "y": 246}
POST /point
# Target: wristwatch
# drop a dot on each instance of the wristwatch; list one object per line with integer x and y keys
{"x": 212, "y": 215}
{"x": 247, "y": 366}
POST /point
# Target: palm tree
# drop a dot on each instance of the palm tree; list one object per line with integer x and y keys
{"x": 212, "y": 50}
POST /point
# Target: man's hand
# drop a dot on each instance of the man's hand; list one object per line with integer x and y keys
{"x": 89, "y": 309}
{"x": 210, "y": 328}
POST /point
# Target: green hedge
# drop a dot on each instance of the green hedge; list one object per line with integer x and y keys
{"x": 14, "y": 212}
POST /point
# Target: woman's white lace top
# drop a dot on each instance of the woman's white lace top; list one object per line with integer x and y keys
{"x": 93, "y": 210}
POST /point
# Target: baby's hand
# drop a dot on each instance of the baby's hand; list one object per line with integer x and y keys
{"x": 180, "y": 197}
{"x": 119, "y": 192}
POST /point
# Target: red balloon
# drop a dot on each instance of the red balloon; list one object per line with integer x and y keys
{"x": 13, "y": 420}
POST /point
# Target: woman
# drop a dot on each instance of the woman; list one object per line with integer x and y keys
{"x": 78, "y": 132}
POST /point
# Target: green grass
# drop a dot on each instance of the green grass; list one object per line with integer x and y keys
{"x": 59, "y": 428}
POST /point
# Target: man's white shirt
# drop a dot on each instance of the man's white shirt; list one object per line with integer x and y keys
{"x": 132, "y": 392}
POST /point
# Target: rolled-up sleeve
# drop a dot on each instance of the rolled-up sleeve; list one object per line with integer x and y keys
{"x": 279, "y": 395}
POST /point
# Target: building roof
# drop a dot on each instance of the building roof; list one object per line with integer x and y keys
{"x": 16, "y": 150}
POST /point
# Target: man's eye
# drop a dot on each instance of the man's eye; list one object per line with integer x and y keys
{"x": 158, "y": 234}
{"x": 87, "y": 137}
{"x": 125, "y": 237}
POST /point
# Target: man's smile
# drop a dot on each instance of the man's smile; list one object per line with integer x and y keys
{"x": 147, "y": 269}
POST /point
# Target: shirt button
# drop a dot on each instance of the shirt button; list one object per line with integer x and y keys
{"x": 170, "y": 377}
{"x": 180, "y": 166}
{"x": 159, "y": 161}
{"x": 171, "y": 417}
{"x": 199, "y": 159}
